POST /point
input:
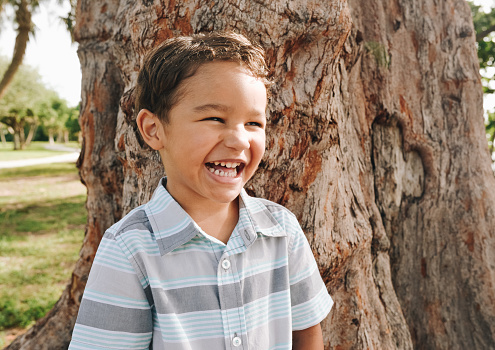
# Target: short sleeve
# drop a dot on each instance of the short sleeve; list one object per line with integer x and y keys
{"x": 310, "y": 301}
{"x": 114, "y": 311}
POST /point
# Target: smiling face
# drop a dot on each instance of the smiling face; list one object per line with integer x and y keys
{"x": 215, "y": 137}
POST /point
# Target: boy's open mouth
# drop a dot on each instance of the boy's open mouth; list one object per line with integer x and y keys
{"x": 226, "y": 169}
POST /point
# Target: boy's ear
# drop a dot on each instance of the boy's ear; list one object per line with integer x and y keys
{"x": 151, "y": 129}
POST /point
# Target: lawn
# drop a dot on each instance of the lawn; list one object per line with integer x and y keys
{"x": 35, "y": 150}
{"x": 42, "y": 220}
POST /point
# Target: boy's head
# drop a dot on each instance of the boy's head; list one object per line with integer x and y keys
{"x": 176, "y": 59}
{"x": 202, "y": 105}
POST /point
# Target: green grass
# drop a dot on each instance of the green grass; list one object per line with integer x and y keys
{"x": 51, "y": 170}
{"x": 42, "y": 220}
{"x": 35, "y": 150}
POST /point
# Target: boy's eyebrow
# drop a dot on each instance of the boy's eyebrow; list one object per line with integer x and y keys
{"x": 209, "y": 106}
{"x": 221, "y": 108}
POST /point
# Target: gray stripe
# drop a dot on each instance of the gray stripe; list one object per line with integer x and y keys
{"x": 169, "y": 243}
{"x": 137, "y": 221}
{"x": 306, "y": 289}
{"x": 182, "y": 300}
{"x": 114, "y": 318}
{"x": 109, "y": 235}
{"x": 204, "y": 298}
{"x": 263, "y": 284}
{"x": 228, "y": 296}
{"x": 149, "y": 295}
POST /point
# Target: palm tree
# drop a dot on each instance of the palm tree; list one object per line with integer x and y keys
{"x": 23, "y": 11}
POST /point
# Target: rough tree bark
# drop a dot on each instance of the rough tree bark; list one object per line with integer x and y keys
{"x": 375, "y": 141}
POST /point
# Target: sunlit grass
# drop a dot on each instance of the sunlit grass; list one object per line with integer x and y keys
{"x": 35, "y": 150}
{"x": 42, "y": 220}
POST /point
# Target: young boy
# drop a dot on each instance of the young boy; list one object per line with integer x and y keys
{"x": 202, "y": 265}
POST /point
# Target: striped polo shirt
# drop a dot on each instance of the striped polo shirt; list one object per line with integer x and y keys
{"x": 159, "y": 282}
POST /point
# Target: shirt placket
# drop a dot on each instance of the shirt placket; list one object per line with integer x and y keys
{"x": 229, "y": 292}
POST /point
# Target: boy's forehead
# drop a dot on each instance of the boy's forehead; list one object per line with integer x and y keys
{"x": 209, "y": 79}
{"x": 208, "y": 71}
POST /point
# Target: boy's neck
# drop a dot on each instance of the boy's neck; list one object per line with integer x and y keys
{"x": 218, "y": 223}
{"x": 216, "y": 219}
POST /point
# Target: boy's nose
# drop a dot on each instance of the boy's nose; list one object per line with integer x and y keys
{"x": 237, "y": 138}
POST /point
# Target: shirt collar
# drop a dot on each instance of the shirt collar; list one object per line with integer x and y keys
{"x": 173, "y": 227}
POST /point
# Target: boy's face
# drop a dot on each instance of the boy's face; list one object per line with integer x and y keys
{"x": 215, "y": 137}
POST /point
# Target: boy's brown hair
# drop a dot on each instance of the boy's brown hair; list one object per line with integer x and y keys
{"x": 176, "y": 59}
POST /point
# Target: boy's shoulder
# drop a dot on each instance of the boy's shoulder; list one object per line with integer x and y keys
{"x": 136, "y": 219}
{"x": 276, "y": 212}
{"x": 275, "y": 208}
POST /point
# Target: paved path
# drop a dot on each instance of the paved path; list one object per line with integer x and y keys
{"x": 63, "y": 158}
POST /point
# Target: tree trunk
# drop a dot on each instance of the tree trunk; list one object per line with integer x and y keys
{"x": 17, "y": 140}
{"x": 51, "y": 140}
{"x": 60, "y": 136}
{"x": 32, "y": 131}
{"x": 375, "y": 141}
{"x": 2, "y": 136}
{"x": 23, "y": 20}
{"x": 20, "y": 132}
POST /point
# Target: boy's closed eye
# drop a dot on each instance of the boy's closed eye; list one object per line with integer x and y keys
{"x": 215, "y": 119}
{"x": 218, "y": 119}
{"x": 258, "y": 124}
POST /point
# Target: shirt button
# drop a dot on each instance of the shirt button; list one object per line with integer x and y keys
{"x": 226, "y": 264}
{"x": 236, "y": 341}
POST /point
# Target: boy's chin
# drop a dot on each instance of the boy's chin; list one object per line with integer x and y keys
{"x": 227, "y": 197}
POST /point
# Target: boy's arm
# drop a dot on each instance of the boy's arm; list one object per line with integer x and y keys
{"x": 114, "y": 311}
{"x": 308, "y": 339}
{"x": 310, "y": 301}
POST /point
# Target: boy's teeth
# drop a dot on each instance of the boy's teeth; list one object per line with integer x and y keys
{"x": 223, "y": 173}
{"x": 228, "y": 164}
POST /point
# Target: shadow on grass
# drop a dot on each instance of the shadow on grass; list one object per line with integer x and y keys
{"x": 38, "y": 218}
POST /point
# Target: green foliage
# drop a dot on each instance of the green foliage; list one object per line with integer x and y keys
{"x": 484, "y": 24}
{"x": 490, "y": 132}
{"x": 379, "y": 52}
{"x": 72, "y": 123}
{"x": 25, "y": 94}
{"x": 56, "y": 117}
{"x": 28, "y": 104}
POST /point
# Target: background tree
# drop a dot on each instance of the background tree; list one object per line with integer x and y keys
{"x": 28, "y": 103}
{"x": 23, "y": 11}
{"x": 375, "y": 141}
{"x": 57, "y": 118}
{"x": 3, "y": 131}
{"x": 19, "y": 106}
{"x": 72, "y": 125}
